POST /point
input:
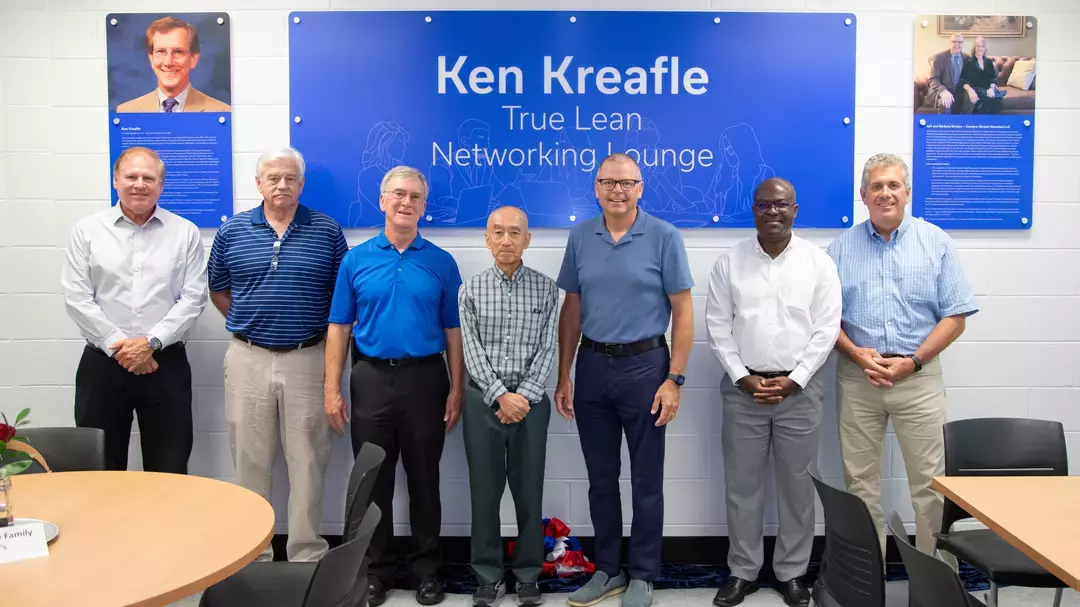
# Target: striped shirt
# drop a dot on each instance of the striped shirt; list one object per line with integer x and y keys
{"x": 896, "y": 292}
{"x": 282, "y": 297}
{"x": 508, "y": 331}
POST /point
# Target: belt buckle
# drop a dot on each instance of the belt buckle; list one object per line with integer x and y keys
{"x": 394, "y": 362}
{"x": 609, "y": 349}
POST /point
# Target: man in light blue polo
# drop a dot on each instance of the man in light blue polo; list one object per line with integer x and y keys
{"x": 626, "y": 276}
{"x": 401, "y": 292}
{"x": 271, "y": 272}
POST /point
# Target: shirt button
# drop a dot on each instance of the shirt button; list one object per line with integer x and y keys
{"x": 399, "y": 269}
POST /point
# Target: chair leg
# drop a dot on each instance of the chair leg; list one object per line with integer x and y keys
{"x": 1057, "y": 597}
{"x": 992, "y": 595}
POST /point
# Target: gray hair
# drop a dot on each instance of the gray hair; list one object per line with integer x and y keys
{"x": 880, "y": 161}
{"x": 405, "y": 173}
{"x": 280, "y": 154}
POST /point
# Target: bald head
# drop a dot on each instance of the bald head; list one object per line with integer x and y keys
{"x": 508, "y": 215}
{"x": 775, "y": 185}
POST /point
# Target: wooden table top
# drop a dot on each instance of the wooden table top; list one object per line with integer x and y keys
{"x": 133, "y": 538}
{"x": 1036, "y": 514}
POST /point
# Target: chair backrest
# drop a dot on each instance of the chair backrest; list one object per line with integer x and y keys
{"x": 853, "y": 569}
{"x": 361, "y": 482}
{"x": 334, "y": 582}
{"x": 1001, "y": 446}
{"x": 931, "y": 582}
{"x": 66, "y": 449}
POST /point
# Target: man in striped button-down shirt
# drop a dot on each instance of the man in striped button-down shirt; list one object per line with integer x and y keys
{"x": 905, "y": 300}
{"x": 508, "y": 321}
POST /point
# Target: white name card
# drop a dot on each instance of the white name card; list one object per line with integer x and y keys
{"x": 22, "y": 542}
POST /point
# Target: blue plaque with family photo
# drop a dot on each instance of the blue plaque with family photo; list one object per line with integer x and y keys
{"x": 519, "y": 107}
{"x": 170, "y": 91}
{"x": 974, "y": 121}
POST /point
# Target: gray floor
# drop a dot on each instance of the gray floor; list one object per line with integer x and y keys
{"x": 1009, "y": 597}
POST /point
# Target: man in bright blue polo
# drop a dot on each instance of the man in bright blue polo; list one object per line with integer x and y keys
{"x": 401, "y": 291}
{"x": 271, "y": 274}
{"x": 626, "y": 276}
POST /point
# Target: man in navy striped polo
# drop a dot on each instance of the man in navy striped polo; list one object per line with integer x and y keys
{"x": 271, "y": 273}
{"x": 401, "y": 292}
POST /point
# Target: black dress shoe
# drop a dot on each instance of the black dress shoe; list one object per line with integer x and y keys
{"x": 733, "y": 592}
{"x": 795, "y": 593}
{"x": 430, "y": 591}
{"x": 376, "y": 592}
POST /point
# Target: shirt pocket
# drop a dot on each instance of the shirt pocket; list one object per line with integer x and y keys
{"x": 920, "y": 284}
{"x": 529, "y": 324}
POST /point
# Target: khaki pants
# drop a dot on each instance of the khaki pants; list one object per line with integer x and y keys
{"x": 267, "y": 393}
{"x": 916, "y": 406}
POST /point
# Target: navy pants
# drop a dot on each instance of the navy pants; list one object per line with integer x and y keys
{"x": 613, "y": 395}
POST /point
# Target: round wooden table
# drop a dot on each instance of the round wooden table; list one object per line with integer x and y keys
{"x": 133, "y": 538}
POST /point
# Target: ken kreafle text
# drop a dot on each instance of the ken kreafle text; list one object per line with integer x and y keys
{"x": 664, "y": 77}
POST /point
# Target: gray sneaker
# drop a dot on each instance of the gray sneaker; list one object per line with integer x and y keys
{"x": 638, "y": 594}
{"x": 597, "y": 589}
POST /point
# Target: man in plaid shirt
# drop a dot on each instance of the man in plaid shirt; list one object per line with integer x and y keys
{"x": 508, "y": 320}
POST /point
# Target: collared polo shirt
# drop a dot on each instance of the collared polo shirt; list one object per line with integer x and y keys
{"x": 401, "y": 302}
{"x": 625, "y": 286}
{"x": 286, "y": 305}
{"x": 896, "y": 292}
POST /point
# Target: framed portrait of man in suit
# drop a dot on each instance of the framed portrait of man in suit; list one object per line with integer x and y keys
{"x": 169, "y": 63}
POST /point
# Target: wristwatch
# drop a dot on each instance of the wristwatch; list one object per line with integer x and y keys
{"x": 155, "y": 343}
{"x": 918, "y": 363}
{"x": 678, "y": 379}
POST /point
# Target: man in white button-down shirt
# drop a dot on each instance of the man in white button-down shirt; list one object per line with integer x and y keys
{"x": 773, "y": 315}
{"x": 134, "y": 283}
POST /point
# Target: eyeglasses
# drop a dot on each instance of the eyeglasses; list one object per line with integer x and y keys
{"x": 625, "y": 184}
{"x": 399, "y": 195}
{"x": 274, "y": 259}
{"x": 781, "y": 206}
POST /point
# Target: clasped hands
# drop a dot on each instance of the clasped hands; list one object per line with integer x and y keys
{"x": 771, "y": 391}
{"x": 513, "y": 408}
{"x": 881, "y": 371}
{"x": 135, "y": 355}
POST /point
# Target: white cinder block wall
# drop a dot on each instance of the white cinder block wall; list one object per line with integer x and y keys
{"x": 1019, "y": 357}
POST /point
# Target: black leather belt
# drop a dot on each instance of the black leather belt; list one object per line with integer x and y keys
{"x": 314, "y": 341}
{"x": 893, "y": 355}
{"x": 768, "y": 374}
{"x": 624, "y": 349}
{"x": 400, "y": 362}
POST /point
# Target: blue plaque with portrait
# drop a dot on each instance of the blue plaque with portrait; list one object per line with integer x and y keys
{"x": 519, "y": 108}
{"x": 170, "y": 91}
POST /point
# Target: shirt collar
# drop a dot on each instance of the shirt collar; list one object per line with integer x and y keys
{"x": 302, "y": 217}
{"x": 790, "y": 244}
{"x": 905, "y": 224}
{"x": 513, "y": 277}
{"x": 383, "y": 242}
{"x": 117, "y": 214}
{"x": 637, "y": 229}
{"x": 181, "y": 99}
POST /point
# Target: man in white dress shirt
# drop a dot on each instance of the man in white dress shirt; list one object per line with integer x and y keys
{"x": 134, "y": 283}
{"x": 773, "y": 316}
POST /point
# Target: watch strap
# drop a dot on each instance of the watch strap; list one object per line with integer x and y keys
{"x": 918, "y": 363}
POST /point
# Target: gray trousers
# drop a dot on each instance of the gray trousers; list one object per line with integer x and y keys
{"x": 750, "y": 432}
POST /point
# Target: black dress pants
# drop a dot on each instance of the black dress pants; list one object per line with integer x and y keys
{"x": 107, "y": 396}
{"x": 401, "y": 408}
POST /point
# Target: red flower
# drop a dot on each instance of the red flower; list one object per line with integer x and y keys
{"x": 6, "y": 432}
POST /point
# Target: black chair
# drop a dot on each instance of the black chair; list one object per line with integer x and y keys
{"x": 853, "y": 569}
{"x": 66, "y": 449}
{"x": 331, "y": 582}
{"x": 357, "y": 499}
{"x": 1000, "y": 446}
{"x": 931, "y": 582}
